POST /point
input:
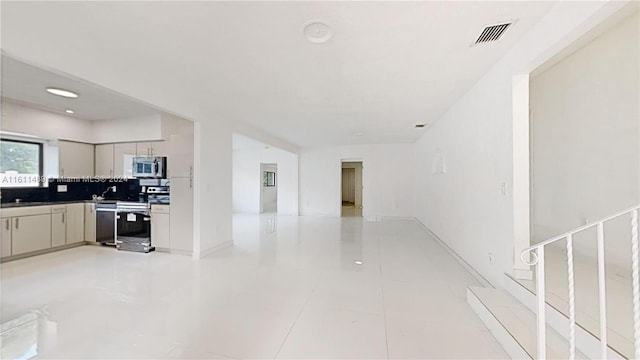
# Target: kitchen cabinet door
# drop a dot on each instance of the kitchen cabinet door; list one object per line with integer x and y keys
{"x": 159, "y": 148}
{"x": 90, "y": 222}
{"x": 30, "y": 233}
{"x": 75, "y": 223}
{"x": 180, "y": 156}
{"x": 181, "y": 217}
{"x": 58, "y": 229}
{"x": 6, "y": 237}
{"x": 160, "y": 234}
{"x": 152, "y": 148}
{"x": 75, "y": 159}
{"x": 123, "y": 159}
{"x": 104, "y": 160}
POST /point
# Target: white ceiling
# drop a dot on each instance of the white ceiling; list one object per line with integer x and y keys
{"x": 26, "y": 84}
{"x": 388, "y": 66}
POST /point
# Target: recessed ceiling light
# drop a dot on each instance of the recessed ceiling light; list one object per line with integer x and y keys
{"x": 62, "y": 92}
{"x": 69, "y": 111}
{"x": 317, "y": 31}
{"x": 358, "y": 262}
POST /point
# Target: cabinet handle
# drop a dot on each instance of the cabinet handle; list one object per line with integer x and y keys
{"x": 62, "y": 172}
{"x": 8, "y": 224}
{"x": 63, "y": 218}
{"x": 17, "y": 223}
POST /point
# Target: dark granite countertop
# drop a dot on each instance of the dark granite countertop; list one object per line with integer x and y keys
{"x": 49, "y": 203}
{"x": 40, "y": 203}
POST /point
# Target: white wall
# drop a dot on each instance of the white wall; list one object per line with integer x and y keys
{"x": 142, "y": 128}
{"x": 465, "y": 206}
{"x": 388, "y": 174}
{"x": 585, "y": 138}
{"x": 212, "y": 184}
{"x": 27, "y": 120}
{"x": 247, "y": 179}
{"x": 22, "y": 119}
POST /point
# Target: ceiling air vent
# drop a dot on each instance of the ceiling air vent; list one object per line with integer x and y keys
{"x": 492, "y": 33}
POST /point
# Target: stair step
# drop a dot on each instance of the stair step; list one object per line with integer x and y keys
{"x": 514, "y": 325}
{"x": 586, "y": 341}
{"x": 620, "y": 347}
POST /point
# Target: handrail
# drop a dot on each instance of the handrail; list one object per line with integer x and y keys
{"x": 537, "y": 258}
{"x": 563, "y": 236}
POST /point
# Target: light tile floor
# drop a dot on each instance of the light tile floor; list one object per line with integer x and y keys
{"x": 289, "y": 288}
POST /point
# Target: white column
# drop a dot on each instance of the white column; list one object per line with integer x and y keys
{"x": 521, "y": 234}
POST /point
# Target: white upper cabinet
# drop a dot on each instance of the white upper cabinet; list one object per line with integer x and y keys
{"x": 180, "y": 158}
{"x": 104, "y": 160}
{"x": 76, "y": 159}
{"x": 123, "y": 159}
{"x": 152, "y": 148}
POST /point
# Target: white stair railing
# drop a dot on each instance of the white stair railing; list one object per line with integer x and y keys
{"x": 534, "y": 256}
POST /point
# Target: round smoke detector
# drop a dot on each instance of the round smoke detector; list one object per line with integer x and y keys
{"x": 317, "y": 31}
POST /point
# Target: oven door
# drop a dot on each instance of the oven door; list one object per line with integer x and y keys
{"x": 134, "y": 231}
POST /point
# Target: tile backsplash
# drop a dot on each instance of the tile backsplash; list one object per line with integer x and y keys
{"x": 73, "y": 190}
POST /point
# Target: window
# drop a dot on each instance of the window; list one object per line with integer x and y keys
{"x": 269, "y": 179}
{"x": 20, "y": 163}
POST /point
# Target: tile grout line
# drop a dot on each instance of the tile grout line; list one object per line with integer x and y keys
{"x": 384, "y": 310}
{"x": 294, "y": 322}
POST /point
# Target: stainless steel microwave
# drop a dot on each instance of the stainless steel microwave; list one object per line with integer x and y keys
{"x": 150, "y": 167}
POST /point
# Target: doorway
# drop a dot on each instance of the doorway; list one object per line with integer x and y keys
{"x": 351, "y": 194}
{"x": 269, "y": 188}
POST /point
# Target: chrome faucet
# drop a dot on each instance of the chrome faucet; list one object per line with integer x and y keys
{"x": 112, "y": 188}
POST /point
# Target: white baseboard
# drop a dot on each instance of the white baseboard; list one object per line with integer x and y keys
{"x": 175, "y": 251}
{"x": 210, "y": 251}
{"x": 401, "y": 218}
{"x": 459, "y": 258}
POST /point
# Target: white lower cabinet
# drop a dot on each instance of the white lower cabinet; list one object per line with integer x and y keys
{"x": 75, "y": 223}
{"x": 160, "y": 228}
{"x": 58, "y": 229}
{"x": 90, "y": 222}
{"x": 34, "y": 228}
{"x": 30, "y": 233}
{"x": 6, "y": 237}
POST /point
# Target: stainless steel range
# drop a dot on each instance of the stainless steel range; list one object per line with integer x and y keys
{"x": 133, "y": 223}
